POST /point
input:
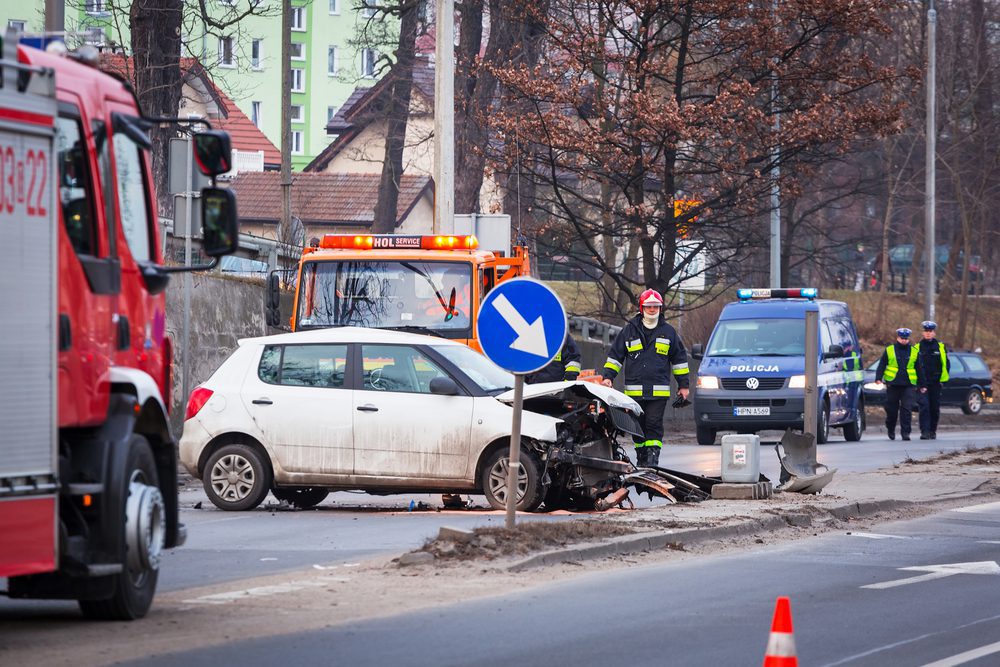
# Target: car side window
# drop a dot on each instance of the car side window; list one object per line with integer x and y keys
{"x": 398, "y": 368}
{"x": 304, "y": 365}
{"x": 957, "y": 365}
{"x": 76, "y": 189}
{"x": 975, "y": 364}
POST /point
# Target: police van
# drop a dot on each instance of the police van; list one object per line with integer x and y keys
{"x": 752, "y": 374}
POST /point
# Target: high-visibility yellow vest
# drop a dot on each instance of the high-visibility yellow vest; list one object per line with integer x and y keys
{"x": 944, "y": 363}
{"x": 892, "y": 367}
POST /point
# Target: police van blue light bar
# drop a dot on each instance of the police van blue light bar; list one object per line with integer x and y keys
{"x": 747, "y": 293}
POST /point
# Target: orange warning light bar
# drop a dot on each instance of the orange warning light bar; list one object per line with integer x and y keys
{"x": 398, "y": 242}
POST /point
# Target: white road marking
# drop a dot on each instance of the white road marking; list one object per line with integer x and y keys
{"x": 267, "y": 559}
{"x": 939, "y": 572}
{"x": 879, "y": 536}
{"x": 989, "y": 541}
{"x": 979, "y": 509}
{"x": 264, "y": 591}
{"x": 968, "y": 656}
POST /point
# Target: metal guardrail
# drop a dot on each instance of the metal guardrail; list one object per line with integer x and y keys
{"x": 593, "y": 330}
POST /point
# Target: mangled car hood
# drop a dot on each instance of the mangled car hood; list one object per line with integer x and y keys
{"x": 612, "y": 397}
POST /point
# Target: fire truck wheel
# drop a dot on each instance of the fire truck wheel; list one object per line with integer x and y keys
{"x": 144, "y": 525}
{"x": 529, "y": 480}
{"x": 236, "y": 478}
{"x": 302, "y": 497}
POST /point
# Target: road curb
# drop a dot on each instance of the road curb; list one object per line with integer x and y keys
{"x": 659, "y": 540}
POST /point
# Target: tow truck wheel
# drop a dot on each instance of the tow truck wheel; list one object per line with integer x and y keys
{"x": 706, "y": 435}
{"x": 236, "y": 478}
{"x": 144, "y": 526}
{"x": 529, "y": 480}
{"x": 823, "y": 427}
{"x": 301, "y": 497}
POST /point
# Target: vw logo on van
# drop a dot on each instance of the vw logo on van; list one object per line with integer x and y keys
{"x": 752, "y": 383}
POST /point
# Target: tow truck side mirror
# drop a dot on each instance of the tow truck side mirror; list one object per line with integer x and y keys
{"x": 220, "y": 227}
{"x": 213, "y": 152}
{"x": 273, "y": 300}
{"x": 697, "y": 351}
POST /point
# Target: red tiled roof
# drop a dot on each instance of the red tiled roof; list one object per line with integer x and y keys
{"x": 244, "y": 134}
{"x": 322, "y": 198}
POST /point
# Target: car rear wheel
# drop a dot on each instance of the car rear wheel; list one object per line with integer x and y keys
{"x": 706, "y": 435}
{"x": 853, "y": 431}
{"x": 973, "y": 403}
{"x": 236, "y": 478}
{"x": 302, "y": 497}
{"x": 529, "y": 480}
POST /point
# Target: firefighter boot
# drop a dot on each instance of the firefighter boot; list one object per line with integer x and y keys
{"x": 653, "y": 456}
{"x": 641, "y": 456}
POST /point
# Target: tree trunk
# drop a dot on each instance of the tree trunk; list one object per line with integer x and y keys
{"x": 912, "y": 292}
{"x": 397, "y": 111}
{"x": 156, "y": 49}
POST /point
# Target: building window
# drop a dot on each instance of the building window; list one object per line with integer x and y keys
{"x": 226, "y": 57}
{"x": 334, "y": 6}
{"x": 297, "y": 115}
{"x": 298, "y": 18}
{"x": 256, "y": 53}
{"x": 19, "y": 26}
{"x": 368, "y": 11}
{"x": 332, "y": 61}
{"x": 368, "y": 63}
{"x": 296, "y": 142}
{"x": 298, "y": 51}
{"x": 330, "y": 113}
{"x": 96, "y": 7}
{"x": 255, "y": 113}
{"x": 298, "y": 81}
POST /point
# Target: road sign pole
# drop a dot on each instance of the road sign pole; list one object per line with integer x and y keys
{"x": 514, "y": 463}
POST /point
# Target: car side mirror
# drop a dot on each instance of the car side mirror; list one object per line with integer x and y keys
{"x": 213, "y": 152}
{"x": 444, "y": 386}
{"x": 834, "y": 352}
{"x": 220, "y": 227}
{"x": 697, "y": 351}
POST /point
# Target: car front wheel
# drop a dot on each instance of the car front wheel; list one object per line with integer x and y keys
{"x": 529, "y": 480}
{"x": 973, "y": 402}
{"x": 236, "y": 478}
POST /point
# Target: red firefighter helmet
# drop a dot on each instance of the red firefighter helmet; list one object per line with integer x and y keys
{"x": 650, "y": 298}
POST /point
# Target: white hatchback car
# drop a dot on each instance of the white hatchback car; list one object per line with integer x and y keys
{"x": 305, "y": 413}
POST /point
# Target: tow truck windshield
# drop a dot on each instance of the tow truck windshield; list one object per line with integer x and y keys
{"x": 420, "y": 297}
{"x": 779, "y": 337}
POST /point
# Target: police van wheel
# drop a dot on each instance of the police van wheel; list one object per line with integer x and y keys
{"x": 853, "y": 431}
{"x": 823, "y": 427}
{"x": 706, "y": 435}
{"x": 529, "y": 480}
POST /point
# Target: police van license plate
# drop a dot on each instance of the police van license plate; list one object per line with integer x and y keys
{"x": 751, "y": 412}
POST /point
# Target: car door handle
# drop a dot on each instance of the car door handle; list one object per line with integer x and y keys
{"x": 262, "y": 401}
{"x": 367, "y": 408}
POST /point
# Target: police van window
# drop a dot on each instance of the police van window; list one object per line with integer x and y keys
{"x": 304, "y": 365}
{"x": 840, "y": 331}
{"x": 825, "y": 339}
{"x": 133, "y": 206}
{"x": 398, "y": 368}
{"x": 76, "y": 193}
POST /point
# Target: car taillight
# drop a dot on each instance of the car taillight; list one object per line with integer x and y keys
{"x": 199, "y": 397}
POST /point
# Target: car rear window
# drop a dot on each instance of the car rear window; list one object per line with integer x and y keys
{"x": 304, "y": 365}
{"x": 975, "y": 364}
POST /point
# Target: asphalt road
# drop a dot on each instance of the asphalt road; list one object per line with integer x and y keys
{"x": 915, "y": 593}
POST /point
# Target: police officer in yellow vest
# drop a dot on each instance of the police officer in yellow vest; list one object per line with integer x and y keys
{"x": 934, "y": 358}
{"x": 903, "y": 374}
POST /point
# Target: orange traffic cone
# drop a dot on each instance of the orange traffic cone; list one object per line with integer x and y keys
{"x": 781, "y": 644}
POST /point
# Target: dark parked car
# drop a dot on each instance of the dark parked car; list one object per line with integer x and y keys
{"x": 969, "y": 385}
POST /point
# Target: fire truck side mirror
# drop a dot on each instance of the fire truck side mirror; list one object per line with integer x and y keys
{"x": 213, "y": 152}
{"x": 220, "y": 227}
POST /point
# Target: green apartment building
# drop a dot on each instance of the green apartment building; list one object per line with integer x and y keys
{"x": 327, "y": 65}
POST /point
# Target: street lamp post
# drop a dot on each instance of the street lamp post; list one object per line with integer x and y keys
{"x": 931, "y": 143}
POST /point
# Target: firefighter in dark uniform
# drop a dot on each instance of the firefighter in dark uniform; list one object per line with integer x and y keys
{"x": 565, "y": 365}
{"x": 903, "y": 374}
{"x": 648, "y": 350}
{"x": 934, "y": 358}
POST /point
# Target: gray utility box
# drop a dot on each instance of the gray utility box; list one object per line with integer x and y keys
{"x": 740, "y": 459}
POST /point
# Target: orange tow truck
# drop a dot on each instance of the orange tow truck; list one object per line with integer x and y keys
{"x": 421, "y": 284}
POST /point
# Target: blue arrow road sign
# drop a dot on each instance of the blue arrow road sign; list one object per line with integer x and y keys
{"x": 522, "y": 325}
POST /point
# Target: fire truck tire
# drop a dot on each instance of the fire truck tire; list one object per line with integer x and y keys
{"x": 302, "y": 497}
{"x": 236, "y": 478}
{"x": 529, "y": 480}
{"x": 143, "y": 524}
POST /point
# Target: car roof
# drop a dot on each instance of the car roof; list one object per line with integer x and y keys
{"x": 348, "y": 335}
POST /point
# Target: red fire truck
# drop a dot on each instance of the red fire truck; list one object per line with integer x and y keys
{"x": 88, "y": 482}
